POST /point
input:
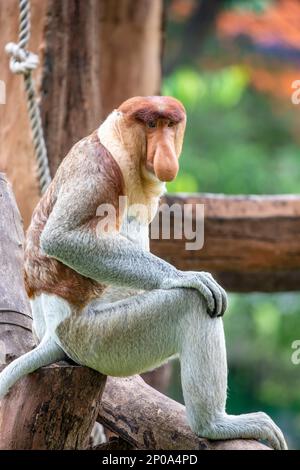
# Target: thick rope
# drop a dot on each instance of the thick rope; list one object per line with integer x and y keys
{"x": 23, "y": 62}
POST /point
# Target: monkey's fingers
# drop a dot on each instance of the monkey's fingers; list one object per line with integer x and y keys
{"x": 220, "y": 298}
{"x": 270, "y": 432}
{"x": 192, "y": 280}
{"x": 207, "y": 293}
{"x": 224, "y": 299}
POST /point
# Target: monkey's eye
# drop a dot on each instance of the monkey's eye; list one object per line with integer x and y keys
{"x": 171, "y": 123}
{"x": 151, "y": 124}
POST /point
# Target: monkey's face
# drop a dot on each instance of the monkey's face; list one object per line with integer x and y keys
{"x": 160, "y": 122}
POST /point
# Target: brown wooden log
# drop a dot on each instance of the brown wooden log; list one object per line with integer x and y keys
{"x": 53, "y": 408}
{"x": 56, "y": 407}
{"x": 146, "y": 419}
{"x": 251, "y": 243}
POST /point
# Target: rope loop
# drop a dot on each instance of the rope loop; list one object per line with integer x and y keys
{"x": 21, "y": 61}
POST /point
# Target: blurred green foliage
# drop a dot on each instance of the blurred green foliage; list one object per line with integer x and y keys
{"x": 260, "y": 329}
{"x": 239, "y": 141}
{"x": 236, "y": 141}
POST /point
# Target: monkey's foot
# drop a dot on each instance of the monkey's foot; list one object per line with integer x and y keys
{"x": 247, "y": 426}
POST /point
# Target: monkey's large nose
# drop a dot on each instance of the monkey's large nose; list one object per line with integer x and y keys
{"x": 165, "y": 163}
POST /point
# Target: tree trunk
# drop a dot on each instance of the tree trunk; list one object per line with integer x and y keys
{"x": 55, "y": 407}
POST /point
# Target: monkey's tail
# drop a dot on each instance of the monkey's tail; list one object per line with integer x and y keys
{"x": 47, "y": 352}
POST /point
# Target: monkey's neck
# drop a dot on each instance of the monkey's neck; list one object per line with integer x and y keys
{"x": 140, "y": 188}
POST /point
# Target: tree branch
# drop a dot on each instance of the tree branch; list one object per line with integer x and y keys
{"x": 146, "y": 419}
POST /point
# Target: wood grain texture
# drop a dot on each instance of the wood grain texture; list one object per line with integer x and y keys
{"x": 146, "y": 419}
{"x": 251, "y": 243}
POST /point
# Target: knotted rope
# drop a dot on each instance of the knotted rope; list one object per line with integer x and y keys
{"x": 24, "y": 62}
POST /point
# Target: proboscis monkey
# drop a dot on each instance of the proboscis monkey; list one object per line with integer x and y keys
{"x": 101, "y": 298}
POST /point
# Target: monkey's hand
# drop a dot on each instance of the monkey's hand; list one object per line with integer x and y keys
{"x": 206, "y": 285}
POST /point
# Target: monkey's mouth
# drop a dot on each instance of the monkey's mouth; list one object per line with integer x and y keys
{"x": 149, "y": 167}
{"x": 148, "y": 171}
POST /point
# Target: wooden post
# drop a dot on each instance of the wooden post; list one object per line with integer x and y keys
{"x": 56, "y": 407}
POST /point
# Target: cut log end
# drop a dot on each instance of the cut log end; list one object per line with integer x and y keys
{"x": 53, "y": 408}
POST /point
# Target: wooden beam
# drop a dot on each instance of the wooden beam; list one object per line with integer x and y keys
{"x": 147, "y": 419}
{"x": 251, "y": 243}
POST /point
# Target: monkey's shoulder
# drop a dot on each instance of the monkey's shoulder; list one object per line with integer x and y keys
{"x": 89, "y": 160}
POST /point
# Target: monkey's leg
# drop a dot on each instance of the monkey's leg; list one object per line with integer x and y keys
{"x": 133, "y": 335}
{"x": 39, "y": 321}
{"x": 204, "y": 382}
{"x": 45, "y": 353}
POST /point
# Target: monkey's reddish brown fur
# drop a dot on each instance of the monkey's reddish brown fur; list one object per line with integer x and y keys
{"x": 146, "y": 110}
{"x": 45, "y": 274}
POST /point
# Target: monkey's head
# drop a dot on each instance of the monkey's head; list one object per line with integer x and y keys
{"x": 156, "y": 127}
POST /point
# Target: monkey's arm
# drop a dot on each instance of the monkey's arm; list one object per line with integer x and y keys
{"x": 69, "y": 236}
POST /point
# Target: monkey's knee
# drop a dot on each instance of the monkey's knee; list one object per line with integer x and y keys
{"x": 193, "y": 305}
